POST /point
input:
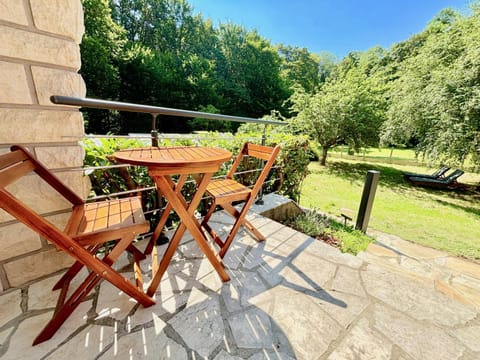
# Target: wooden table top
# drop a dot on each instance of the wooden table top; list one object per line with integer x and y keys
{"x": 173, "y": 156}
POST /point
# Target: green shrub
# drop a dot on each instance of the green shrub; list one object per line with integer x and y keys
{"x": 310, "y": 223}
{"x": 292, "y": 161}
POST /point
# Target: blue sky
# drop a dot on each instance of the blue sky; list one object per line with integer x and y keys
{"x": 337, "y": 26}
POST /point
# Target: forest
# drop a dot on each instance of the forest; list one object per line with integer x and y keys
{"x": 422, "y": 93}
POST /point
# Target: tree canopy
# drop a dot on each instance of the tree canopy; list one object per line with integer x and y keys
{"x": 435, "y": 98}
{"x": 347, "y": 109}
{"x": 422, "y": 92}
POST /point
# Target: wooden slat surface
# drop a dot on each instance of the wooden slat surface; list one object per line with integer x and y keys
{"x": 259, "y": 151}
{"x": 11, "y": 158}
{"x": 95, "y": 217}
{"x": 226, "y": 187}
{"x": 173, "y": 156}
{"x": 15, "y": 172}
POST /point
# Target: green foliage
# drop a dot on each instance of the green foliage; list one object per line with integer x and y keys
{"x": 101, "y": 50}
{"x": 350, "y": 240}
{"x": 107, "y": 181}
{"x": 249, "y": 75}
{"x": 435, "y": 97}
{"x": 292, "y": 161}
{"x": 348, "y": 108}
{"x": 300, "y": 67}
{"x": 200, "y": 124}
{"x": 158, "y": 52}
{"x": 424, "y": 91}
{"x": 310, "y": 223}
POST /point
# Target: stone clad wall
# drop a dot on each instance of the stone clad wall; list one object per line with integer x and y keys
{"x": 39, "y": 57}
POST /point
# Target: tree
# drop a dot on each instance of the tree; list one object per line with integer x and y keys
{"x": 101, "y": 50}
{"x": 348, "y": 109}
{"x": 436, "y": 97}
{"x": 300, "y": 67}
{"x": 249, "y": 73}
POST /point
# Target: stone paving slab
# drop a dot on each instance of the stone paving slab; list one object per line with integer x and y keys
{"x": 457, "y": 278}
{"x": 290, "y": 297}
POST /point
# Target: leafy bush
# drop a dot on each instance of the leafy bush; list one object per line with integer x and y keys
{"x": 292, "y": 161}
{"x": 310, "y": 223}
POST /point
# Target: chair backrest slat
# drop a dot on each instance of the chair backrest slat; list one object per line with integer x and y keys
{"x": 14, "y": 172}
{"x": 11, "y": 158}
{"x": 43, "y": 172}
{"x": 265, "y": 153}
{"x": 259, "y": 151}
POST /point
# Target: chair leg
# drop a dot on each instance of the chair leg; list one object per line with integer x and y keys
{"x": 163, "y": 219}
{"x": 208, "y": 228}
{"x": 209, "y": 213}
{"x": 64, "y": 309}
{"x": 228, "y": 241}
{"x": 248, "y": 225}
{"x": 67, "y": 308}
{"x": 257, "y": 234}
{"x": 74, "y": 269}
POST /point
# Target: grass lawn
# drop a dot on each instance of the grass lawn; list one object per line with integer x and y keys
{"x": 385, "y": 156}
{"x": 445, "y": 220}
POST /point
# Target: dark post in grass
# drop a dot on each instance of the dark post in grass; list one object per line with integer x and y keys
{"x": 368, "y": 196}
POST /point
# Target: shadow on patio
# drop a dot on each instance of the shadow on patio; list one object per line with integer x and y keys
{"x": 290, "y": 297}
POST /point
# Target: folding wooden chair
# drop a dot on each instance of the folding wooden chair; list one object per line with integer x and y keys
{"x": 111, "y": 225}
{"x": 227, "y": 191}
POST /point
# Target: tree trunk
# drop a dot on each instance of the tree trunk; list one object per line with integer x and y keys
{"x": 323, "y": 160}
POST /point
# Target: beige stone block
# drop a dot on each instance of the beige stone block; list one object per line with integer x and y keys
{"x": 30, "y": 46}
{"x": 10, "y": 305}
{"x": 50, "y": 82}
{"x": 60, "y": 220}
{"x": 13, "y": 11}
{"x": 59, "y": 17}
{"x": 14, "y": 85}
{"x": 38, "y": 195}
{"x": 453, "y": 292}
{"x": 78, "y": 183}
{"x": 380, "y": 250}
{"x": 469, "y": 336}
{"x": 36, "y": 266}
{"x": 36, "y": 126}
{"x": 57, "y": 157}
{"x": 41, "y": 197}
{"x": 17, "y": 239}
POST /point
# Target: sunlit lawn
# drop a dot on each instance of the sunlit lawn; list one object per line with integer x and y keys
{"x": 445, "y": 220}
{"x": 385, "y": 155}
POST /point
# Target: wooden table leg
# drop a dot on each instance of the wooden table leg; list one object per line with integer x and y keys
{"x": 186, "y": 213}
{"x": 163, "y": 219}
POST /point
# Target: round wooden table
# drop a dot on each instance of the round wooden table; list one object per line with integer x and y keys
{"x": 163, "y": 163}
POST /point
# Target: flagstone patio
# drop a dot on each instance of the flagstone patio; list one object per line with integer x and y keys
{"x": 290, "y": 297}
